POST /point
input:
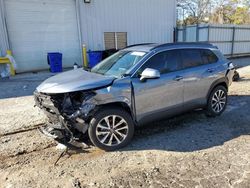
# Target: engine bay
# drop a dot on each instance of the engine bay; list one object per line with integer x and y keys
{"x": 68, "y": 115}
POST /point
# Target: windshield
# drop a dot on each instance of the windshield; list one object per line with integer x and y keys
{"x": 119, "y": 63}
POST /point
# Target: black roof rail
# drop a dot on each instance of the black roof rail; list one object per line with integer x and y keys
{"x": 141, "y": 44}
{"x": 184, "y": 43}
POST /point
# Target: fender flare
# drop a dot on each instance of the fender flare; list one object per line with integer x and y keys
{"x": 216, "y": 83}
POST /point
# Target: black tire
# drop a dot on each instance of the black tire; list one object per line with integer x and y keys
{"x": 210, "y": 110}
{"x": 236, "y": 76}
{"x": 99, "y": 117}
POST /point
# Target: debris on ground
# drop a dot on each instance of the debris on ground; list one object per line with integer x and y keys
{"x": 236, "y": 76}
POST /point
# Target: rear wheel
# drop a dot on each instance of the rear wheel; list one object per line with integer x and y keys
{"x": 111, "y": 129}
{"x": 217, "y": 101}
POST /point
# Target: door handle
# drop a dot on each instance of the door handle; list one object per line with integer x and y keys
{"x": 178, "y": 78}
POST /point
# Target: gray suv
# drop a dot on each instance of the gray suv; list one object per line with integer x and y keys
{"x": 137, "y": 85}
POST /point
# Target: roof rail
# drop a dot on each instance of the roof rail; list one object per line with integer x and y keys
{"x": 184, "y": 43}
{"x": 138, "y": 45}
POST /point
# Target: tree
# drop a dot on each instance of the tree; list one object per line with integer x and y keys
{"x": 215, "y": 11}
{"x": 232, "y": 12}
{"x": 196, "y": 11}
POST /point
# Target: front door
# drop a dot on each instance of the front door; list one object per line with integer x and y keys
{"x": 153, "y": 97}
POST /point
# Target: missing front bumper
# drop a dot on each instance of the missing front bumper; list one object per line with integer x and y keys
{"x": 51, "y": 133}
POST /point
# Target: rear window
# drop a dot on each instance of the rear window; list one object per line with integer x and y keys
{"x": 197, "y": 57}
{"x": 191, "y": 58}
{"x": 208, "y": 57}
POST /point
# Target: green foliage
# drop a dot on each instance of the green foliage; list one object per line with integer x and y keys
{"x": 218, "y": 11}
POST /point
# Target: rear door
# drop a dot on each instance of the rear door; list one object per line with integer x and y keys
{"x": 200, "y": 72}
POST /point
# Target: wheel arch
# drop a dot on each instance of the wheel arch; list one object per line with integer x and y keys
{"x": 122, "y": 105}
{"x": 118, "y": 104}
{"x": 221, "y": 82}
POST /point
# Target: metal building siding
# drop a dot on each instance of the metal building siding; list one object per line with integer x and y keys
{"x": 143, "y": 20}
{"x": 242, "y": 34}
{"x": 233, "y": 40}
{"x": 191, "y": 34}
{"x": 180, "y": 36}
{"x": 37, "y": 27}
{"x": 203, "y": 35}
{"x": 242, "y": 47}
{"x": 4, "y": 43}
{"x": 225, "y": 48}
{"x": 220, "y": 35}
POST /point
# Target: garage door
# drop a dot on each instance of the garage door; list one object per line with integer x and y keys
{"x": 37, "y": 27}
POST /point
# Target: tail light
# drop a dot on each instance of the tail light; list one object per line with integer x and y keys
{"x": 231, "y": 66}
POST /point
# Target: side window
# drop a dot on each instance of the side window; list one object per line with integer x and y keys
{"x": 208, "y": 57}
{"x": 156, "y": 62}
{"x": 191, "y": 58}
{"x": 164, "y": 62}
{"x": 173, "y": 62}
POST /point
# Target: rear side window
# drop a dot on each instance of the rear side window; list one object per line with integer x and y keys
{"x": 191, "y": 58}
{"x": 208, "y": 57}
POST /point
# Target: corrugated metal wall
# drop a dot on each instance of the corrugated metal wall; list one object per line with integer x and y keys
{"x": 241, "y": 35}
{"x": 232, "y": 40}
{"x": 180, "y": 35}
{"x": 203, "y": 35}
{"x": 143, "y": 20}
{"x": 4, "y": 43}
{"x": 191, "y": 34}
{"x": 36, "y": 27}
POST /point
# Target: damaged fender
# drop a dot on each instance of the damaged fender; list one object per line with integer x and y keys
{"x": 121, "y": 92}
{"x": 70, "y": 113}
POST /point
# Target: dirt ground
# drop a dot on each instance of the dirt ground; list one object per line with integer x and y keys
{"x": 187, "y": 151}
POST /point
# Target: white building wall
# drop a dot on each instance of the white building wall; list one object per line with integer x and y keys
{"x": 36, "y": 27}
{"x": 143, "y": 20}
{"x": 4, "y": 43}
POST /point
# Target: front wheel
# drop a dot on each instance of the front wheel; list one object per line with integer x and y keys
{"x": 217, "y": 101}
{"x": 111, "y": 129}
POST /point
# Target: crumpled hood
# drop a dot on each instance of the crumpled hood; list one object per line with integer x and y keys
{"x": 74, "y": 80}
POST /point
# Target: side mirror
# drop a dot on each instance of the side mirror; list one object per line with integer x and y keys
{"x": 150, "y": 74}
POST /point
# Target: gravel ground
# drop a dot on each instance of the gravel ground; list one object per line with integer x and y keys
{"x": 187, "y": 151}
{"x": 17, "y": 110}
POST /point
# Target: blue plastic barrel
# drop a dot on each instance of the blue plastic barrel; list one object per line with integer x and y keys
{"x": 55, "y": 61}
{"x": 94, "y": 58}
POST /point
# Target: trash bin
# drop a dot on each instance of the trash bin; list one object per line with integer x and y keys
{"x": 55, "y": 61}
{"x": 94, "y": 58}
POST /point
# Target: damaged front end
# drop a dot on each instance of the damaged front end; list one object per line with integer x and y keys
{"x": 68, "y": 115}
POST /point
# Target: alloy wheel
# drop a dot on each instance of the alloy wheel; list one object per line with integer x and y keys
{"x": 112, "y": 130}
{"x": 219, "y": 101}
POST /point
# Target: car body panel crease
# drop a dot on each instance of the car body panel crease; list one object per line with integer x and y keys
{"x": 74, "y": 80}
